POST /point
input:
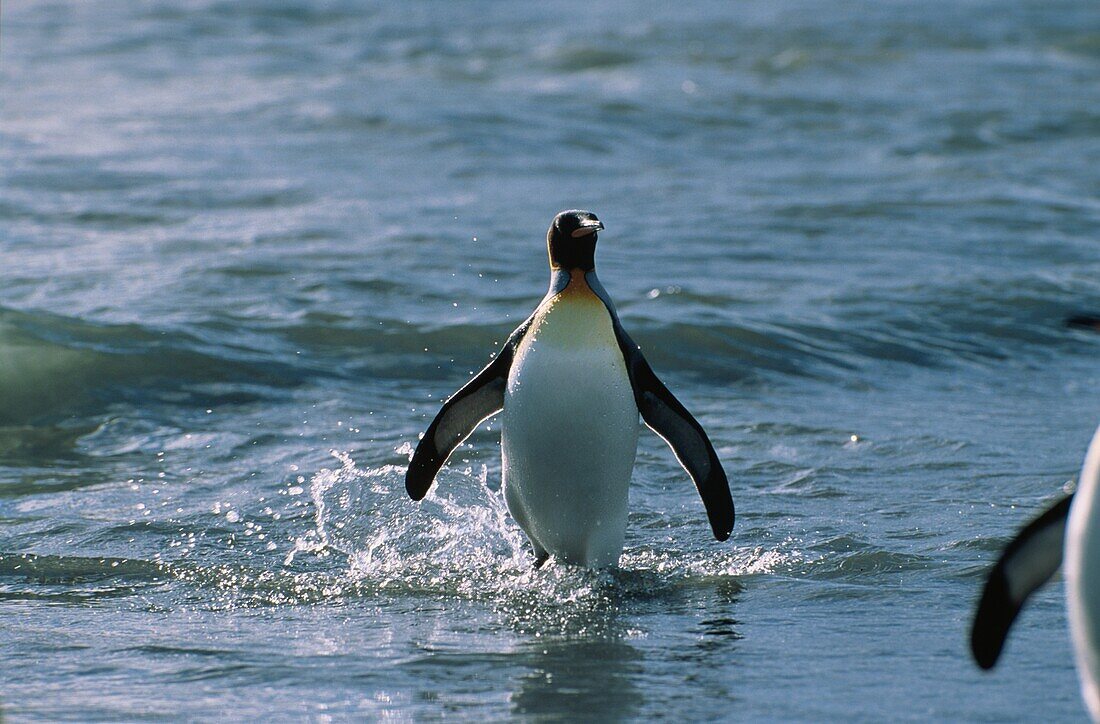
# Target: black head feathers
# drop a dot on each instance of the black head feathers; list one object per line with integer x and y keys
{"x": 571, "y": 240}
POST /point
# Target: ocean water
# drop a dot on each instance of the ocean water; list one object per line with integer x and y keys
{"x": 246, "y": 248}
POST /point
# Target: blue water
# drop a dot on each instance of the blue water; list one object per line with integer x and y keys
{"x": 246, "y": 248}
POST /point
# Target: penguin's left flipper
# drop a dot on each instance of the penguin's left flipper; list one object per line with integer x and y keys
{"x": 1033, "y": 556}
{"x": 481, "y": 397}
{"x": 478, "y": 399}
{"x": 667, "y": 417}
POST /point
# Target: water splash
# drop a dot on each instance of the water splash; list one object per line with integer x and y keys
{"x": 458, "y": 533}
{"x": 461, "y": 543}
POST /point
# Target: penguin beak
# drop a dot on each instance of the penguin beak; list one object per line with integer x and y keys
{"x": 588, "y": 226}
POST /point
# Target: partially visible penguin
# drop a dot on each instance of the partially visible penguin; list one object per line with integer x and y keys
{"x": 1071, "y": 529}
{"x": 571, "y": 383}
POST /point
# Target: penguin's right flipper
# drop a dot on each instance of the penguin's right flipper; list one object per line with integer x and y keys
{"x": 668, "y": 417}
{"x": 1033, "y": 556}
{"x": 481, "y": 397}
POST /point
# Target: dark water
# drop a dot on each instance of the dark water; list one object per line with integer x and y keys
{"x": 247, "y": 247}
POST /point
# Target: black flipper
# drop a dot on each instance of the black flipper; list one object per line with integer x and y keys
{"x": 1033, "y": 556}
{"x": 481, "y": 397}
{"x": 664, "y": 414}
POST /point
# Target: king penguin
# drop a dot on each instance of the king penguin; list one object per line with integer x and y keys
{"x": 1070, "y": 530}
{"x": 572, "y": 383}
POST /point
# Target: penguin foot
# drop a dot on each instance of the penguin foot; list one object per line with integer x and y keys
{"x": 540, "y": 559}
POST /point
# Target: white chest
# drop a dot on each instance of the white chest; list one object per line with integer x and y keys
{"x": 570, "y": 372}
{"x": 1082, "y": 572}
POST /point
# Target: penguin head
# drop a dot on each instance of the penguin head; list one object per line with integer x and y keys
{"x": 571, "y": 240}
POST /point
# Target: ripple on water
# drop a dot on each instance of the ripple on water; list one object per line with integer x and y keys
{"x": 858, "y": 561}
{"x": 363, "y": 538}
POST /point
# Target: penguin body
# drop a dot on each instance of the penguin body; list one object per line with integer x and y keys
{"x": 570, "y": 430}
{"x": 571, "y": 384}
{"x": 1082, "y": 572}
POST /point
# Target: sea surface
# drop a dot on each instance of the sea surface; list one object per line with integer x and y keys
{"x": 247, "y": 248}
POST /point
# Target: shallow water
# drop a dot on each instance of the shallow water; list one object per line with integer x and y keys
{"x": 249, "y": 247}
